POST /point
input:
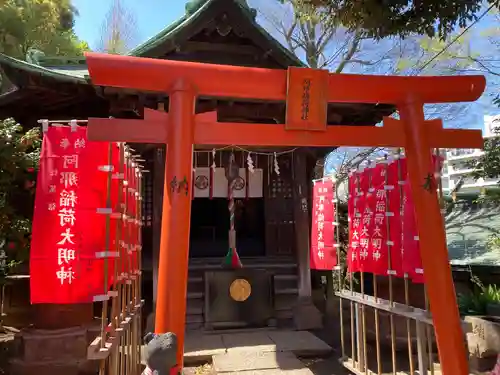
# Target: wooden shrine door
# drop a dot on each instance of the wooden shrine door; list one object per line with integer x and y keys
{"x": 278, "y": 190}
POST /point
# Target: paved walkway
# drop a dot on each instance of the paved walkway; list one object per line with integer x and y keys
{"x": 269, "y": 352}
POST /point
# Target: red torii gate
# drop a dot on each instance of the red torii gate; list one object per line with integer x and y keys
{"x": 306, "y": 93}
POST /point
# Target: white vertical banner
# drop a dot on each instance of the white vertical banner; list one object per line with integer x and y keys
{"x": 202, "y": 181}
{"x": 256, "y": 183}
{"x": 220, "y": 183}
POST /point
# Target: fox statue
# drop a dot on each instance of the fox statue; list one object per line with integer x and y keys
{"x": 160, "y": 354}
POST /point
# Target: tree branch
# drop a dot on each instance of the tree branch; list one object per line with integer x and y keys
{"x": 288, "y": 34}
{"x": 364, "y": 62}
{"x": 484, "y": 67}
{"x": 350, "y": 52}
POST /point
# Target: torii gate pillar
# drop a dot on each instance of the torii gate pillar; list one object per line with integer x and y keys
{"x": 176, "y": 212}
{"x": 432, "y": 237}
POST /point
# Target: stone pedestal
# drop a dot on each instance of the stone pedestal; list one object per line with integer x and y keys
{"x": 61, "y": 351}
{"x": 484, "y": 339}
{"x": 306, "y": 315}
{"x": 483, "y": 342}
{"x": 50, "y": 347}
{"x": 56, "y": 317}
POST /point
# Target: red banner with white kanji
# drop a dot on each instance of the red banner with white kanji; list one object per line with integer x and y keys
{"x": 323, "y": 252}
{"x": 383, "y": 235}
{"x": 412, "y": 263}
{"x": 67, "y": 233}
{"x": 353, "y": 223}
{"x": 370, "y": 213}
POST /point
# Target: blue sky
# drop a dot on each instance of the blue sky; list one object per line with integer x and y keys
{"x": 154, "y": 15}
{"x": 151, "y": 15}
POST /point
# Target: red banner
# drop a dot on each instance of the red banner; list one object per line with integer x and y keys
{"x": 354, "y": 222}
{"x": 67, "y": 232}
{"x": 365, "y": 206}
{"x": 394, "y": 191}
{"x": 323, "y": 244}
{"x": 370, "y": 212}
{"x": 378, "y": 230}
{"x": 382, "y": 216}
{"x": 412, "y": 263}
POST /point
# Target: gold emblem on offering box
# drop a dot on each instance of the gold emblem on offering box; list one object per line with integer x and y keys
{"x": 240, "y": 290}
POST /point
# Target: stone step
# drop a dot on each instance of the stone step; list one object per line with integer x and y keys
{"x": 197, "y": 269}
{"x": 195, "y": 279}
{"x": 193, "y": 327}
{"x": 195, "y": 295}
{"x": 196, "y": 287}
{"x": 201, "y": 347}
{"x": 267, "y": 265}
{"x": 286, "y": 277}
{"x": 284, "y": 314}
{"x": 254, "y": 361}
{"x": 216, "y": 261}
{"x": 285, "y": 281}
{"x": 285, "y": 302}
{"x": 195, "y": 306}
{"x": 281, "y": 281}
{"x": 194, "y": 318}
{"x": 279, "y": 277}
{"x": 292, "y": 291}
{"x": 194, "y": 276}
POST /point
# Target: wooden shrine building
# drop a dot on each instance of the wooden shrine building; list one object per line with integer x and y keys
{"x": 272, "y": 215}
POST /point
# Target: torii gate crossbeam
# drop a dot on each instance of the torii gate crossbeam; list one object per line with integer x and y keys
{"x": 306, "y": 92}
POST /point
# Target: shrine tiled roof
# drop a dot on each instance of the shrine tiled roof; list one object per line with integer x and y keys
{"x": 66, "y": 73}
{"x": 197, "y": 11}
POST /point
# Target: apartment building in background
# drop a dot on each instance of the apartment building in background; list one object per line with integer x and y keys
{"x": 470, "y": 227}
{"x": 456, "y": 167}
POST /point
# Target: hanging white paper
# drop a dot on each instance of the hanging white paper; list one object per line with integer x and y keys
{"x": 220, "y": 188}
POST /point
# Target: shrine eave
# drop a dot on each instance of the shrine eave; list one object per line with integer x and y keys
{"x": 11, "y": 66}
{"x": 19, "y": 78}
{"x": 29, "y": 90}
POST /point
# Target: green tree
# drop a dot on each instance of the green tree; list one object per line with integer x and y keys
{"x": 381, "y": 19}
{"x": 488, "y": 165}
{"x": 461, "y": 58}
{"x": 19, "y": 157}
{"x": 309, "y": 33}
{"x": 42, "y": 25}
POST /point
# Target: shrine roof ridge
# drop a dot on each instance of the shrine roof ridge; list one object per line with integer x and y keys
{"x": 195, "y": 9}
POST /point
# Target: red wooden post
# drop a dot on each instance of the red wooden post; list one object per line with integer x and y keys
{"x": 176, "y": 213}
{"x": 433, "y": 247}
